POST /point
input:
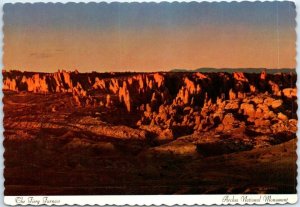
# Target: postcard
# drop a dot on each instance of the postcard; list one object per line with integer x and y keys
{"x": 150, "y": 103}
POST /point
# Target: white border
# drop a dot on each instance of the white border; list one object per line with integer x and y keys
{"x": 153, "y": 199}
{"x": 148, "y": 199}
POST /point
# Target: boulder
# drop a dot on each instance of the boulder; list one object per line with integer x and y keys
{"x": 262, "y": 122}
{"x": 282, "y": 117}
{"x": 290, "y": 92}
{"x": 248, "y": 109}
{"x": 228, "y": 121}
{"x": 276, "y": 104}
{"x": 232, "y": 105}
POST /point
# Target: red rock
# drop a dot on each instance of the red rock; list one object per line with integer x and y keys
{"x": 262, "y": 122}
{"x": 263, "y": 75}
{"x": 290, "y": 92}
{"x": 239, "y": 76}
{"x": 36, "y": 83}
{"x": 276, "y": 104}
{"x": 108, "y": 101}
{"x": 190, "y": 86}
{"x": 257, "y": 100}
{"x": 114, "y": 85}
{"x": 183, "y": 95}
{"x": 67, "y": 79}
{"x": 79, "y": 91}
{"x": 228, "y": 121}
{"x": 10, "y": 84}
{"x": 232, "y": 95}
{"x": 259, "y": 113}
{"x": 99, "y": 84}
{"x": 252, "y": 88}
{"x": 124, "y": 96}
{"x": 77, "y": 101}
{"x": 158, "y": 79}
{"x": 248, "y": 109}
{"x": 282, "y": 117}
{"x": 148, "y": 108}
{"x": 201, "y": 76}
{"x": 275, "y": 88}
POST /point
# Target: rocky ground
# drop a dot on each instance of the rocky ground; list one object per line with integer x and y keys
{"x": 149, "y": 133}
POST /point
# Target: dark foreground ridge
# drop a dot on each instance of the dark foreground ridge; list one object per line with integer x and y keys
{"x": 149, "y": 133}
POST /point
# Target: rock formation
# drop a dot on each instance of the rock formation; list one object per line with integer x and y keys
{"x": 99, "y": 84}
{"x": 124, "y": 96}
{"x": 174, "y": 104}
{"x": 10, "y": 84}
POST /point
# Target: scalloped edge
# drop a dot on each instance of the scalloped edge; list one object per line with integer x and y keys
{"x": 8, "y": 200}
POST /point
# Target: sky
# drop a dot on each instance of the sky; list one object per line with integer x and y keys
{"x": 149, "y": 36}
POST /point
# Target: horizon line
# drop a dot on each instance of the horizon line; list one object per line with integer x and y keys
{"x": 171, "y": 70}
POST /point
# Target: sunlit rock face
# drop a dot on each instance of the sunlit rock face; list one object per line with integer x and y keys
{"x": 10, "y": 84}
{"x": 171, "y": 104}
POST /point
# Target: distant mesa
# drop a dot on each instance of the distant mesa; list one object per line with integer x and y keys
{"x": 243, "y": 70}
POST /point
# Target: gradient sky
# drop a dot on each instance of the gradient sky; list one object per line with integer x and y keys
{"x": 149, "y": 36}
